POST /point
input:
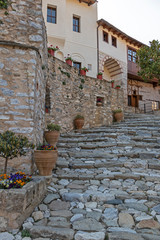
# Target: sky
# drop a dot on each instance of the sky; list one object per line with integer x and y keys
{"x": 139, "y": 19}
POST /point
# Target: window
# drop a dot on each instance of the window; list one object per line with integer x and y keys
{"x": 89, "y": 66}
{"x": 51, "y": 15}
{"x": 114, "y": 41}
{"x": 129, "y": 101}
{"x": 105, "y": 36}
{"x": 77, "y": 65}
{"x": 132, "y": 55}
{"x": 76, "y": 24}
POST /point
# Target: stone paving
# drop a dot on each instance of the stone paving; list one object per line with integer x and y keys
{"x": 106, "y": 186}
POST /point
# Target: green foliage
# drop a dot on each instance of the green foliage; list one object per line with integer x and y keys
{"x": 25, "y": 233}
{"x": 149, "y": 61}
{"x": 12, "y": 146}
{"x": 81, "y": 86}
{"x": 1, "y": 22}
{"x": 117, "y": 111}
{"x": 82, "y": 80}
{"x": 79, "y": 117}
{"x": 53, "y": 127}
{"x": 3, "y": 4}
{"x": 64, "y": 83}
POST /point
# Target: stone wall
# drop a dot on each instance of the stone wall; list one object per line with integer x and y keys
{"x": 18, "y": 204}
{"x": 23, "y": 65}
{"x": 70, "y": 94}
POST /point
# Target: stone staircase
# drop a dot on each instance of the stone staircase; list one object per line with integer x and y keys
{"x": 106, "y": 185}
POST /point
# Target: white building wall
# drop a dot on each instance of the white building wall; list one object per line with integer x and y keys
{"x": 81, "y": 46}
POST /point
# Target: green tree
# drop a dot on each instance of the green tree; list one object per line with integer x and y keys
{"x": 148, "y": 59}
{"x": 12, "y": 146}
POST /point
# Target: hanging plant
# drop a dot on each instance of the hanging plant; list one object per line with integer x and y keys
{"x": 3, "y": 4}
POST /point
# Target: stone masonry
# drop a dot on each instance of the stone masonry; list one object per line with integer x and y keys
{"x": 70, "y": 94}
{"x": 106, "y": 186}
{"x": 23, "y": 65}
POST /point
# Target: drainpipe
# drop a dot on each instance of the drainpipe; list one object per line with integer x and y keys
{"x": 98, "y": 48}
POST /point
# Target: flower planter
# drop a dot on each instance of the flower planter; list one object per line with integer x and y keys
{"x": 69, "y": 62}
{"x": 99, "y": 104}
{"x": 45, "y": 161}
{"x": 83, "y": 72}
{"x": 18, "y": 204}
{"x": 99, "y": 76}
{"x": 79, "y": 123}
{"x": 112, "y": 84}
{"x": 118, "y": 116}
{"x": 51, "y": 51}
{"x": 117, "y": 87}
{"x": 52, "y": 137}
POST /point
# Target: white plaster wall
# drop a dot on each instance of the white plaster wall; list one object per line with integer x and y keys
{"x": 119, "y": 52}
{"x": 81, "y": 46}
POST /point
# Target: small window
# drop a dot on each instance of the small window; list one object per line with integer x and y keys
{"x": 89, "y": 66}
{"x": 105, "y": 36}
{"x": 129, "y": 101}
{"x": 114, "y": 41}
{"x": 76, "y": 24}
{"x": 51, "y": 15}
{"x": 132, "y": 55}
{"x": 77, "y": 65}
{"x": 100, "y": 101}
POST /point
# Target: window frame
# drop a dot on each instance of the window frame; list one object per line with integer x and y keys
{"x": 53, "y": 9}
{"x": 104, "y": 38}
{"x": 114, "y": 39}
{"x": 76, "y": 27}
{"x": 75, "y": 64}
{"x": 131, "y": 57}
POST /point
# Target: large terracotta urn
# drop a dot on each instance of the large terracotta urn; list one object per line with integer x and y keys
{"x": 45, "y": 161}
{"x": 52, "y": 137}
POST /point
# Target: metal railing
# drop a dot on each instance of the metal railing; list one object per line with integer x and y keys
{"x": 148, "y": 106}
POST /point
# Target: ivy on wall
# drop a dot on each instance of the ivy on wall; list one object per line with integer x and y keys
{"x": 3, "y": 4}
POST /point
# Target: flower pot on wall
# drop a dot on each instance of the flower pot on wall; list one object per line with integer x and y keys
{"x": 45, "y": 161}
{"x": 83, "y": 72}
{"x": 69, "y": 62}
{"x": 51, "y": 51}
{"x": 52, "y": 137}
{"x": 112, "y": 84}
{"x": 118, "y": 116}
{"x": 79, "y": 123}
{"x": 99, "y": 76}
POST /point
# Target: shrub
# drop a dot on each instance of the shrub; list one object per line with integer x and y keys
{"x": 117, "y": 111}
{"x": 53, "y": 127}
{"x": 79, "y": 117}
{"x": 12, "y": 146}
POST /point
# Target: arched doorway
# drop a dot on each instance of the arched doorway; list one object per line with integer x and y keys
{"x": 112, "y": 69}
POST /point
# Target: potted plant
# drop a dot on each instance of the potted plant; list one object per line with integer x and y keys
{"x": 52, "y": 49}
{"x": 69, "y": 60}
{"x": 79, "y": 121}
{"x": 52, "y": 135}
{"x": 118, "y": 115}
{"x": 118, "y": 87}
{"x": 100, "y": 75}
{"x": 83, "y": 71}
{"x": 12, "y": 146}
{"x": 112, "y": 83}
{"x": 45, "y": 159}
{"x": 99, "y": 101}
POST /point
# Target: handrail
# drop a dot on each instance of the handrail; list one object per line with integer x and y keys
{"x": 148, "y": 106}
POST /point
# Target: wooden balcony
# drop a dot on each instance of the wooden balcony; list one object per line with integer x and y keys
{"x": 89, "y": 2}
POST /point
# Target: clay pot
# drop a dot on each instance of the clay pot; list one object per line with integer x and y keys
{"x": 82, "y": 72}
{"x": 99, "y": 77}
{"x": 79, "y": 123}
{"x": 51, "y": 51}
{"x": 52, "y": 137}
{"x": 99, "y": 104}
{"x": 118, "y": 116}
{"x": 69, "y": 62}
{"x": 45, "y": 161}
{"x": 112, "y": 84}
